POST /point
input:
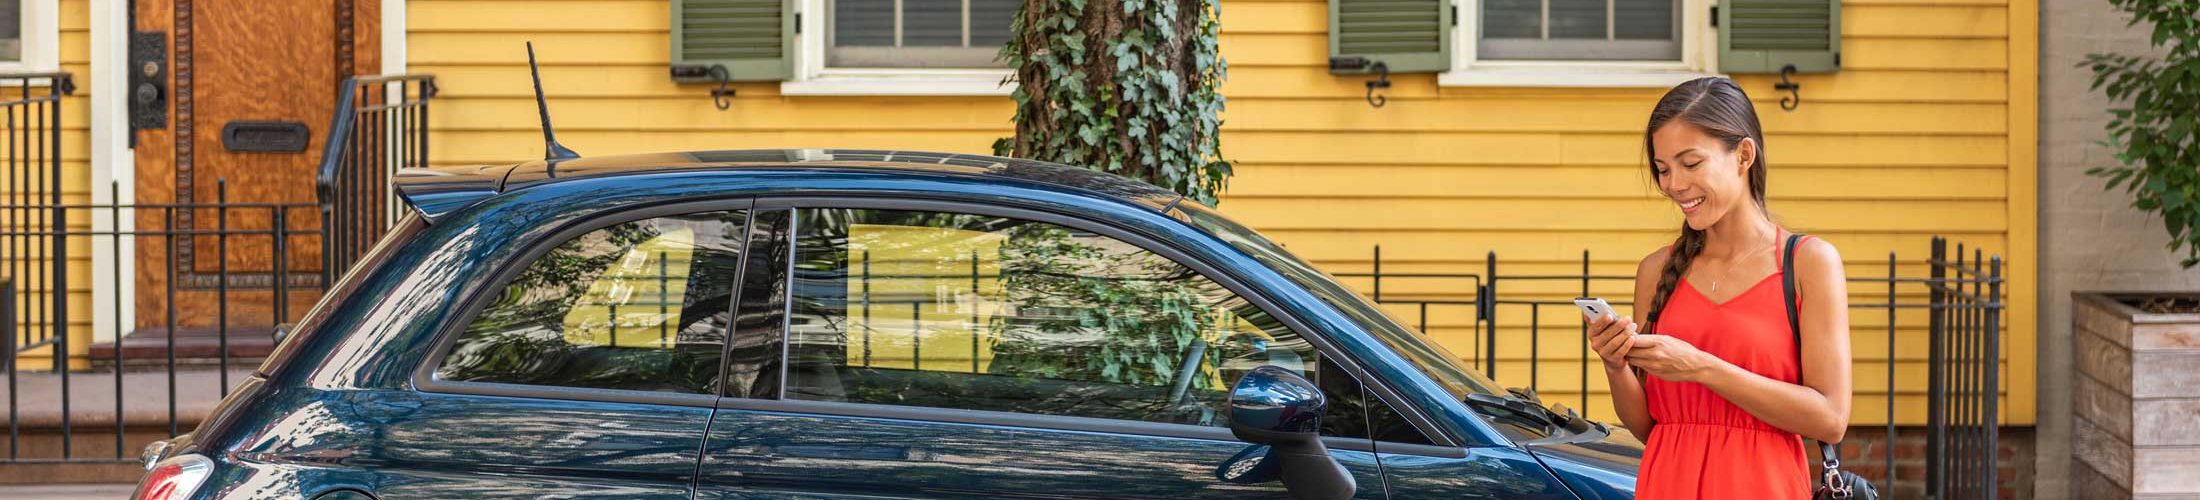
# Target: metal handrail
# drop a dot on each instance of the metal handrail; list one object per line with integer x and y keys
{"x": 349, "y": 225}
{"x": 340, "y": 126}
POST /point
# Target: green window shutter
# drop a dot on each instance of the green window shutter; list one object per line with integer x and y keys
{"x": 754, "y": 39}
{"x": 1762, "y": 36}
{"x": 1407, "y": 36}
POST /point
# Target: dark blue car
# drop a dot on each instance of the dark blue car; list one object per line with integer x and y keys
{"x": 857, "y": 324}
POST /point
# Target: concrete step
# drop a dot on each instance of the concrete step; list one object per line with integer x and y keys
{"x": 143, "y": 395}
{"x": 67, "y": 491}
{"x": 246, "y": 346}
{"x": 33, "y": 449}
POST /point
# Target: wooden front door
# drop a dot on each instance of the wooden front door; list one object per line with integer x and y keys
{"x": 248, "y": 90}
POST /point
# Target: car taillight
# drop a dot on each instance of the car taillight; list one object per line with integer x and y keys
{"x": 175, "y": 478}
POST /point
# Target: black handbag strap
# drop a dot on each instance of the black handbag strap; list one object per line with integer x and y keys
{"x": 1826, "y": 451}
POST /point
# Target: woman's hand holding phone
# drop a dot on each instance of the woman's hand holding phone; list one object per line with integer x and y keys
{"x": 1608, "y": 335}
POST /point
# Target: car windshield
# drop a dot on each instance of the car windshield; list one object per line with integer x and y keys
{"x": 1428, "y": 357}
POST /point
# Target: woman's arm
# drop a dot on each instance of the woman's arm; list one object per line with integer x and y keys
{"x": 1819, "y": 409}
{"x": 1628, "y": 399}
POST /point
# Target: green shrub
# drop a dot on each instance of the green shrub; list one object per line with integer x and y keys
{"x": 2156, "y": 136}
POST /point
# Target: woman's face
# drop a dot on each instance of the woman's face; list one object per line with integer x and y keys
{"x": 1700, "y": 174}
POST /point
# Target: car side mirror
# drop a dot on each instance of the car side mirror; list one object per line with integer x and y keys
{"x": 1276, "y": 407}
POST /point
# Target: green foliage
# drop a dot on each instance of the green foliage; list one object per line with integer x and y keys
{"x": 1151, "y": 315}
{"x": 1122, "y": 86}
{"x": 2157, "y": 136}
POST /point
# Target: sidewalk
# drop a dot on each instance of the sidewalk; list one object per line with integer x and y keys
{"x": 144, "y": 396}
{"x": 66, "y": 491}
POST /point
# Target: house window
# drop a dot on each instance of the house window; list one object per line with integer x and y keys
{"x": 27, "y": 33}
{"x": 917, "y": 33}
{"x": 1580, "y": 30}
{"x": 11, "y": 31}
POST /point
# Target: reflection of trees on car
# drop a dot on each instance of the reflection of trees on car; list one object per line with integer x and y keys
{"x": 559, "y": 321}
{"x": 1117, "y": 315}
{"x": 519, "y": 337}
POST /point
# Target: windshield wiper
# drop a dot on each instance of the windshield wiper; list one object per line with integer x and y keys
{"x": 1516, "y": 407}
{"x": 1525, "y": 405}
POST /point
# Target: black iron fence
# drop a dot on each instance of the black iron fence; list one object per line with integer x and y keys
{"x": 1961, "y": 301}
{"x": 30, "y": 147}
{"x": 380, "y": 126}
{"x": 184, "y": 329}
{"x": 121, "y": 323}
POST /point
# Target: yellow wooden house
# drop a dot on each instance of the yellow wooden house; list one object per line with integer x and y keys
{"x": 1510, "y": 127}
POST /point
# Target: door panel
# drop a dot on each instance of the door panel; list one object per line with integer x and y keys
{"x": 767, "y": 454}
{"x": 1490, "y": 472}
{"x": 474, "y": 446}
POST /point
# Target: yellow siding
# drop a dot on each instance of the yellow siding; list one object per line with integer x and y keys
{"x": 75, "y": 57}
{"x": 1926, "y": 130}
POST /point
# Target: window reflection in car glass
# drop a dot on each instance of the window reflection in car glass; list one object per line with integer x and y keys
{"x": 641, "y": 306}
{"x": 988, "y": 313}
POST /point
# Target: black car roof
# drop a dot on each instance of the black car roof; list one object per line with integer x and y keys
{"x": 421, "y": 186}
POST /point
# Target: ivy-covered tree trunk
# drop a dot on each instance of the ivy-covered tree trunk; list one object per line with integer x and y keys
{"x": 1123, "y": 86}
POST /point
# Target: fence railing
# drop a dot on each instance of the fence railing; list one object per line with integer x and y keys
{"x": 30, "y": 147}
{"x": 1963, "y": 303}
{"x": 199, "y": 322}
{"x": 380, "y": 126}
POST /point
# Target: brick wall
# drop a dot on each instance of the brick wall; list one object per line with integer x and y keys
{"x": 1864, "y": 452}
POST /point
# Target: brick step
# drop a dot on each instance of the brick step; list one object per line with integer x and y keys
{"x": 92, "y": 456}
{"x": 193, "y": 346}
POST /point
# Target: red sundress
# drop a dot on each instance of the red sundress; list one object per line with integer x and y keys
{"x": 1702, "y": 446}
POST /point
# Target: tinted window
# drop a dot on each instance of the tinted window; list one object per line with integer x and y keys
{"x": 1355, "y": 412}
{"x": 989, "y": 313}
{"x": 1429, "y": 357}
{"x": 640, "y": 306}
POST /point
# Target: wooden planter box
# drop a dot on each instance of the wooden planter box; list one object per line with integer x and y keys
{"x": 2137, "y": 398}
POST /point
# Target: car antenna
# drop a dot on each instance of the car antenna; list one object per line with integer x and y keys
{"x": 552, "y": 151}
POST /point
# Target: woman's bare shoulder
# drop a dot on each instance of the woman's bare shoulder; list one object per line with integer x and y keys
{"x": 1654, "y": 263}
{"x": 1816, "y": 255}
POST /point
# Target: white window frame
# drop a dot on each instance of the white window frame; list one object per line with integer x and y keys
{"x": 41, "y": 39}
{"x": 1699, "y": 53}
{"x": 813, "y": 77}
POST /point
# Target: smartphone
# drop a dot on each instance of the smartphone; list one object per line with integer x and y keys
{"x": 1595, "y": 307}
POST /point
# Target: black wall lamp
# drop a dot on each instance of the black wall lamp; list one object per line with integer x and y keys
{"x": 717, "y": 73}
{"x": 1787, "y": 84}
{"x": 1381, "y": 71}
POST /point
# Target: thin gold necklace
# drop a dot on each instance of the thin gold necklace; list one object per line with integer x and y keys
{"x": 1737, "y": 261}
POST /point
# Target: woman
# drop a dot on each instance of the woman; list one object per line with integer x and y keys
{"x": 1711, "y": 380}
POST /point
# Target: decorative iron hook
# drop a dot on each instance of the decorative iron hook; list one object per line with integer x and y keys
{"x": 1794, "y": 90}
{"x": 1381, "y": 81}
{"x": 723, "y": 95}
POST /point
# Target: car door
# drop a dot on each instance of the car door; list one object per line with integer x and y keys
{"x": 589, "y": 370}
{"x": 932, "y": 350}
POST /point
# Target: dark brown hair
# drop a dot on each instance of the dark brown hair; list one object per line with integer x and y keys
{"x": 1719, "y": 108}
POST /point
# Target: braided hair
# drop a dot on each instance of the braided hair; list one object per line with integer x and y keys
{"x": 1719, "y": 108}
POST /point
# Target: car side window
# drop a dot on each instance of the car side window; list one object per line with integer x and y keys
{"x": 1355, "y": 412}
{"x": 641, "y": 305}
{"x": 974, "y": 312}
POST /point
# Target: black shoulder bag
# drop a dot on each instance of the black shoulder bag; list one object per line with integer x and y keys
{"x": 1836, "y": 483}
